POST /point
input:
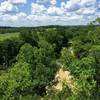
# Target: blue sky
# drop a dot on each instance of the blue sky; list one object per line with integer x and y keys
{"x": 48, "y": 12}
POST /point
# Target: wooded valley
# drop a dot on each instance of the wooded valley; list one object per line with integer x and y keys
{"x": 50, "y": 63}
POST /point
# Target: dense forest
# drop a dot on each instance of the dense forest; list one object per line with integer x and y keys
{"x": 50, "y": 63}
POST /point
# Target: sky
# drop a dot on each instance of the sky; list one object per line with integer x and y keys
{"x": 48, "y": 12}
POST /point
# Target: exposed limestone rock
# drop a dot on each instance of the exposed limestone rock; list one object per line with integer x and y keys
{"x": 63, "y": 77}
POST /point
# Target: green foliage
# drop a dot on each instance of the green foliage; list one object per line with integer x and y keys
{"x": 8, "y": 36}
{"x": 84, "y": 71}
{"x": 8, "y": 51}
{"x": 59, "y": 95}
{"x": 15, "y": 81}
{"x": 42, "y": 63}
{"x": 95, "y": 52}
{"x": 67, "y": 56}
{"x": 29, "y": 37}
{"x": 26, "y": 54}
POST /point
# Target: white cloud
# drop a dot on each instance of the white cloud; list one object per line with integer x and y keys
{"x": 12, "y": 18}
{"x": 21, "y": 15}
{"x": 86, "y": 11}
{"x": 53, "y": 2}
{"x": 55, "y": 11}
{"x": 99, "y": 4}
{"x": 6, "y": 7}
{"x": 18, "y": 1}
{"x": 38, "y": 9}
{"x": 42, "y": 1}
{"x": 71, "y": 5}
{"x": 76, "y": 17}
{"x": 63, "y": 4}
{"x": 21, "y": 19}
{"x": 87, "y": 3}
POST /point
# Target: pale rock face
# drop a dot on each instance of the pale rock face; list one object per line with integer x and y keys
{"x": 59, "y": 87}
{"x": 63, "y": 77}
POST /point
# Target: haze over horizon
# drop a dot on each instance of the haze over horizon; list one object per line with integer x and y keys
{"x": 48, "y": 12}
